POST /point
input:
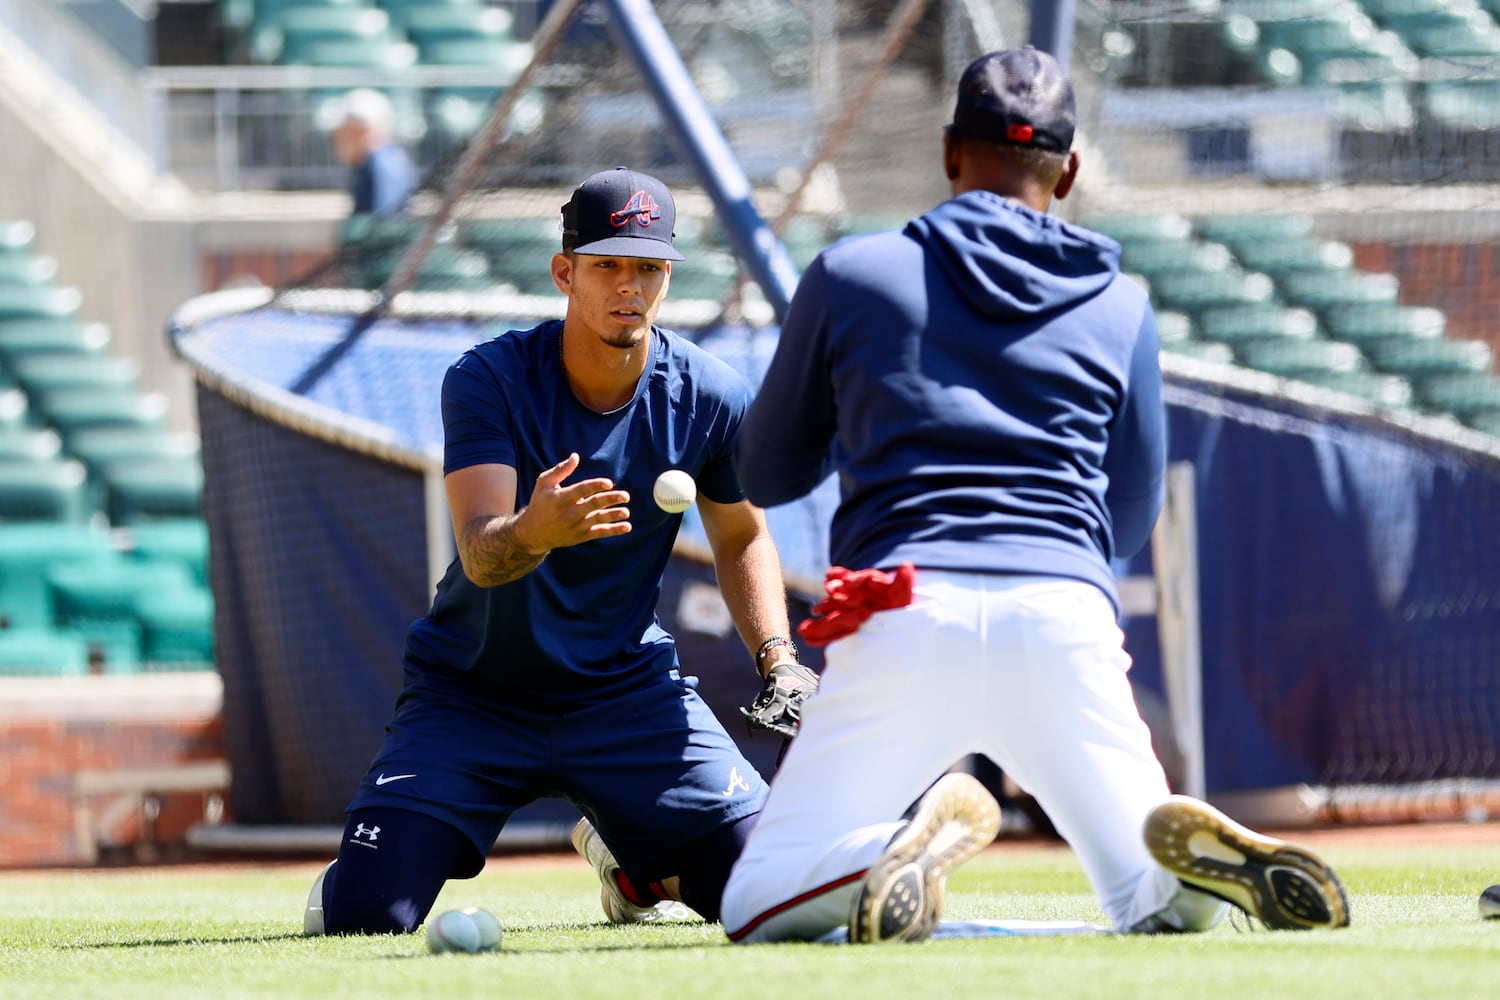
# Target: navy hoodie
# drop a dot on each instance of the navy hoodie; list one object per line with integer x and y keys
{"x": 985, "y": 384}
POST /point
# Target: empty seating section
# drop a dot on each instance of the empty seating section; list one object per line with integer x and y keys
{"x": 103, "y": 548}
{"x": 1265, "y": 291}
{"x": 389, "y": 35}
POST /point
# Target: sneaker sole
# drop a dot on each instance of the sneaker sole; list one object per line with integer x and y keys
{"x": 617, "y": 909}
{"x": 901, "y": 897}
{"x": 1284, "y": 886}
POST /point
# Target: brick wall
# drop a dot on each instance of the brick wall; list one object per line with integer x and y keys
{"x": 1462, "y": 279}
{"x": 53, "y": 728}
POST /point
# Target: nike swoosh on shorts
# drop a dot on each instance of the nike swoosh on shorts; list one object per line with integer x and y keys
{"x": 383, "y": 780}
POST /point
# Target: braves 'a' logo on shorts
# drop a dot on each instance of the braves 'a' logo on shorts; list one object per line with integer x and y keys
{"x": 735, "y": 782}
{"x": 641, "y": 206}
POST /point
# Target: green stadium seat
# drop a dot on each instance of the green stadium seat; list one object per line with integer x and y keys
{"x": 1241, "y": 230}
{"x": 50, "y": 490}
{"x": 1158, "y": 257}
{"x": 1388, "y": 391}
{"x": 708, "y": 275}
{"x": 24, "y": 269}
{"x": 1467, "y": 104}
{"x": 1323, "y": 290}
{"x": 1417, "y": 359}
{"x": 1455, "y": 31}
{"x": 1195, "y": 292}
{"x": 29, "y": 551}
{"x": 356, "y": 53}
{"x": 1280, "y": 257}
{"x": 16, "y": 236}
{"x": 1202, "y": 350}
{"x": 1241, "y": 324}
{"x": 73, "y": 410}
{"x": 1132, "y": 228}
{"x": 1367, "y": 322}
{"x": 102, "y": 447}
{"x": 445, "y": 268}
{"x": 15, "y": 408}
{"x": 177, "y": 628}
{"x": 380, "y": 232}
{"x": 42, "y": 652}
{"x": 141, "y": 490}
{"x": 398, "y": 9}
{"x": 99, "y": 603}
{"x": 519, "y": 250}
{"x": 19, "y": 338}
{"x": 1296, "y": 358}
{"x": 493, "y": 53}
{"x": 1487, "y": 421}
{"x": 283, "y": 36}
{"x": 29, "y": 444}
{"x": 42, "y": 373}
{"x": 1385, "y": 10}
{"x": 437, "y": 23}
{"x": 1462, "y": 395}
{"x": 1173, "y": 327}
{"x": 38, "y": 302}
{"x": 179, "y": 540}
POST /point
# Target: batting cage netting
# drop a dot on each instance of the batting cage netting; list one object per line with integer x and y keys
{"x": 1330, "y": 381}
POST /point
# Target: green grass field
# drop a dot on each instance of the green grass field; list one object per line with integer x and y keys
{"x": 234, "y": 931}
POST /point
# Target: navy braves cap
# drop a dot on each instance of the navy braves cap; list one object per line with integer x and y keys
{"x": 621, "y": 213}
{"x": 1017, "y": 96}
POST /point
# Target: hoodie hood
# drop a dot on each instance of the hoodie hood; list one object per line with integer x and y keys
{"x": 1007, "y": 260}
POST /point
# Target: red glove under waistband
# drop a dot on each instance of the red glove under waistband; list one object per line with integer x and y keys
{"x": 853, "y": 596}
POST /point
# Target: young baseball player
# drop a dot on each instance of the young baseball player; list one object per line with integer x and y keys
{"x": 541, "y": 670}
{"x": 987, "y": 386}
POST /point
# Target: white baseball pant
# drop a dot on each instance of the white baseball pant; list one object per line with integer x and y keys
{"x": 1029, "y": 671}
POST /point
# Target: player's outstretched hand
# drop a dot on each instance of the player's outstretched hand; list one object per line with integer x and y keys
{"x": 778, "y": 707}
{"x": 561, "y": 515}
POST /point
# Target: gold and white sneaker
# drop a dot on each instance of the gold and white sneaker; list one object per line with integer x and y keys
{"x": 1284, "y": 886}
{"x": 901, "y": 898}
{"x": 617, "y": 908}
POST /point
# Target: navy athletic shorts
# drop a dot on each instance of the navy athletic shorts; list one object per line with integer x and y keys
{"x": 652, "y": 769}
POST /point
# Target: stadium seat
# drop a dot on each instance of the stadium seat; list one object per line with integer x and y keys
{"x": 180, "y": 540}
{"x": 1158, "y": 257}
{"x": 101, "y": 447}
{"x": 99, "y": 603}
{"x": 42, "y": 373}
{"x": 1280, "y": 257}
{"x": 1173, "y": 327}
{"x": 1466, "y": 104}
{"x": 177, "y": 628}
{"x": 51, "y": 490}
{"x": 29, "y": 444}
{"x": 445, "y": 22}
{"x": 1368, "y": 322}
{"x": 29, "y": 551}
{"x": 1296, "y": 358}
{"x": 24, "y": 269}
{"x": 140, "y": 490}
{"x": 1241, "y": 324}
{"x": 1128, "y": 228}
{"x": 1463, "y": 396}
{"x": 1194, "y": 292}
{"x": 15, "y": 408}
{"x": 73, "y": 410}
{"x": 38, "y": 302}
{"x": 283, "y": 36}
{"x": 16, "y": 236}
{"x": 1202, "y": 350}
{"x": 42, "y": 652}
{"x": 398, "y": 9}
{"x": 356, "y": 53}
{"x": 519, "y": 250}
{"x": 1441, "y": 34}
{"x": 1248, "y": 229}
{"x": 445, "y": 268}
{"x": 1487, "y": 421}
{"x": 1388, "y": 391}
{"x": 1418, "y": 360}
{"x": 1323, "y": 290}
{"x": 21, "y": 337}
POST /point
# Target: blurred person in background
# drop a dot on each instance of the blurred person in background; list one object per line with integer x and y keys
{"x": 381, "y": 175}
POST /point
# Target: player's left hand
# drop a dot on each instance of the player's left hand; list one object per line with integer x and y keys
{"x": 778, "y": 707}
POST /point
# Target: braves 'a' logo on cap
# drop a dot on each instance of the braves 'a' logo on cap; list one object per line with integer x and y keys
{"x": 641, "y": 206}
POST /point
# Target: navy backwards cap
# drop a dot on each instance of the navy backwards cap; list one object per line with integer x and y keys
{"x": 621, "y": 213}
{"x": 1018, "y": 96}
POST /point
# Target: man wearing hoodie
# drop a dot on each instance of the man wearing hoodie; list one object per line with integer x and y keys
{"x": 986, "y": 385}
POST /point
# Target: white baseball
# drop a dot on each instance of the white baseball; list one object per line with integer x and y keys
{"x": 488, "y": 924}
{"x": 453, "y": 930}
{"x": 674, "y": 491}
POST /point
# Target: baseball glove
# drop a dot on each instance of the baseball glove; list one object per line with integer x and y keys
{"x": 778, "y": 707}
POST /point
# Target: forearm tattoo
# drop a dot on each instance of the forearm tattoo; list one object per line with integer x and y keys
{"x": 491, "y": 554}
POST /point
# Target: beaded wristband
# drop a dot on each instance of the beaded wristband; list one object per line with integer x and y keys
{"x": 775, "y": 642}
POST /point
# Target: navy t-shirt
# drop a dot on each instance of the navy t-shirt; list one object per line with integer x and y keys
{"x": 581, "y": 626}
